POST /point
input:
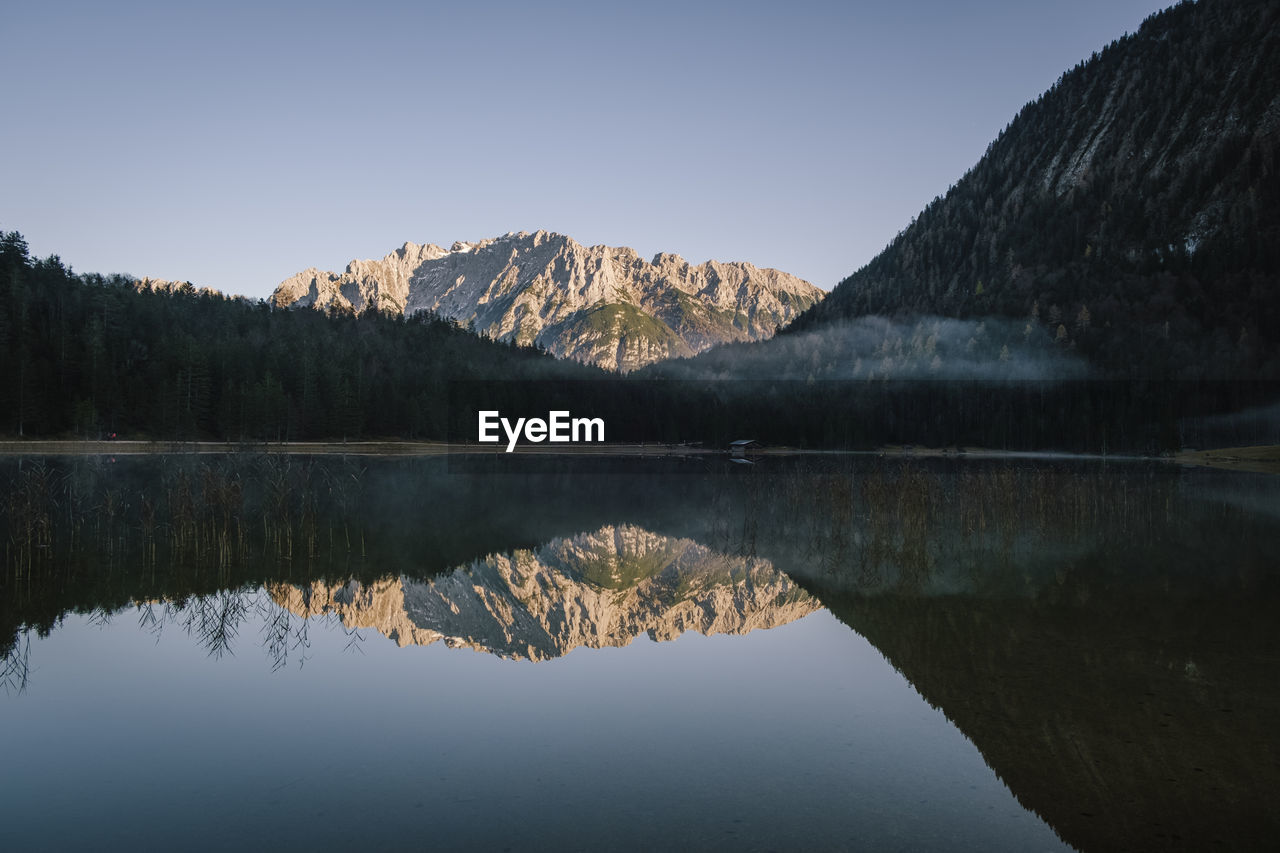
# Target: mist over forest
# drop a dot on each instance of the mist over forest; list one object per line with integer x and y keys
{"x": 875, "y": 347}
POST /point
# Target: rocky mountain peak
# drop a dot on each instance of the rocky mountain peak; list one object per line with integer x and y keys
{"x": 601, "y": 305}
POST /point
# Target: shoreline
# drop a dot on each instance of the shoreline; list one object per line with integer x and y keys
{"x": 1263, "y": 458}
{"x": 122, "y": 447}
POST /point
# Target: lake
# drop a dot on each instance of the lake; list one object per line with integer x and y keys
{"x": 530, "y": 653}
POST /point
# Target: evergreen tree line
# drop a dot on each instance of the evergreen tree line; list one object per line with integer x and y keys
{"x": 90, "y": 355}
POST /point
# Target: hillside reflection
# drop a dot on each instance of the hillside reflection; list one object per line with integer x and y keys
{"x": 1107, "y": 641}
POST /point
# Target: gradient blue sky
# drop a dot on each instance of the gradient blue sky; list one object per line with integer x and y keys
{"x": 234, "y": 144}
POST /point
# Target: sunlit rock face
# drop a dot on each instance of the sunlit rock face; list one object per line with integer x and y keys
{"x": 599, "y": 305}
{"x": 597, "y": 589}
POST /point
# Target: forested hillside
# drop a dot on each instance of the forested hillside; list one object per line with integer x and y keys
{"x": 91, "y": 355}
{"x": 85, "y": 356}
{"x": 1133, "y": 210}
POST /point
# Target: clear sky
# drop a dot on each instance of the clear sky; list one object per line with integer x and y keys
{"x": 234, "y": 143}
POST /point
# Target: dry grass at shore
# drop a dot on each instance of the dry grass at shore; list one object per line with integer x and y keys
{"x": 1262, "y": 458}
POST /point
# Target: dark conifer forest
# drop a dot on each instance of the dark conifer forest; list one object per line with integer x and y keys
{"x": 1132, "y": 210}
{"x": 89, "y": 355}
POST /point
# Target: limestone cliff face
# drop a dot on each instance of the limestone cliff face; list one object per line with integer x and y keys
{"x": 595, "y": 590}
{"x": 600, "y": 305}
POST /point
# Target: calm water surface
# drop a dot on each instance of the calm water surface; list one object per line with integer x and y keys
{"x": 641, "y": 654}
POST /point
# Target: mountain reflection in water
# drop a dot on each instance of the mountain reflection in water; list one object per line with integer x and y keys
{"x": 1102, "y": 633}
{"x": 594, "y": 590}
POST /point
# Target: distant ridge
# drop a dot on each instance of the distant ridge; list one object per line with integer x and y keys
{"x": 600, "y": 305}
